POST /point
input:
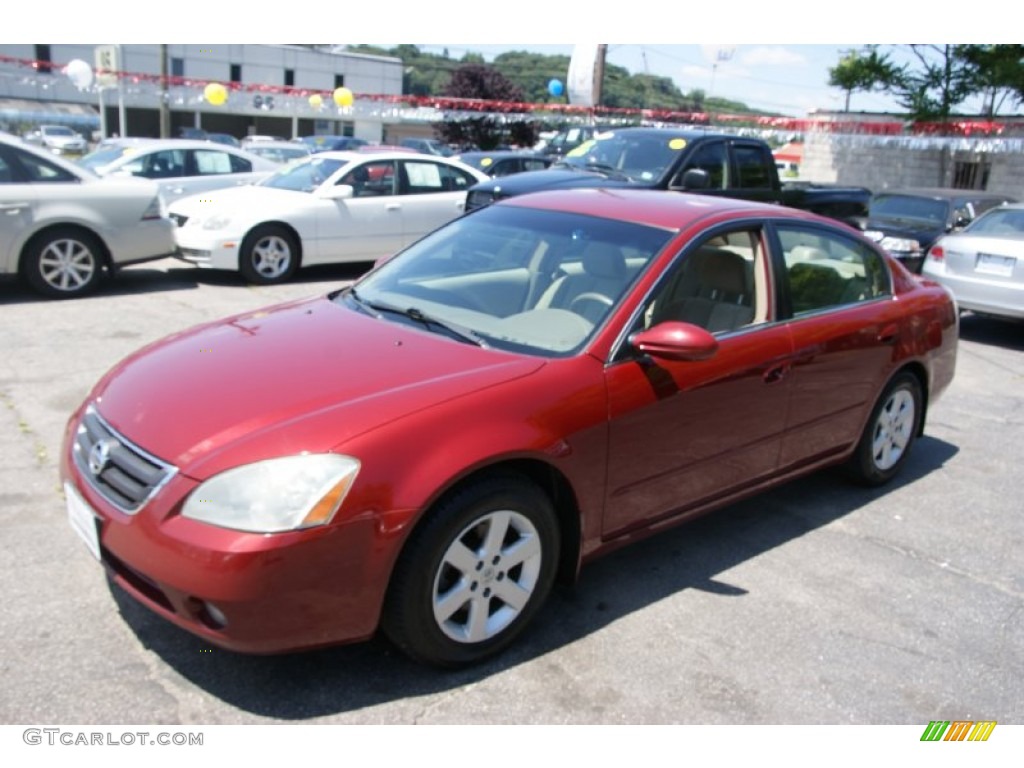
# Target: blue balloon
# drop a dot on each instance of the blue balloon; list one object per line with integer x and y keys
{"x": 555, "y": 87}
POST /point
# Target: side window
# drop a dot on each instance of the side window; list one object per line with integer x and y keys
{"x": 719, "y": 285}
{"x": 715, "y": 160}
{"x": 168, "y": 164}
{"x": 241, "y": 165}
{"x": 373, "y": 179}
{"x": 534, "y": 165}
{"x": 211, "y": 162}
{"x": 423, "y": 178}
{"x": 7, "y": 174}
{"x": 751, "y": 167}
{"x": 38, "y": 170}
{"x": 826, "y": 270}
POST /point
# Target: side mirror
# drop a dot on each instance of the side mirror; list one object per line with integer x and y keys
{"x": 675, "y": 341}
{"x": 696, "y": 178}
{"x": 337, "y": 192}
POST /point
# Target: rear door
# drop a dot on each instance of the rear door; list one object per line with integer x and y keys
{"x": 431, "y": 194}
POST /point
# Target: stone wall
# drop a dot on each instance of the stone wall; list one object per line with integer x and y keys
{"x": 885, "y": 162}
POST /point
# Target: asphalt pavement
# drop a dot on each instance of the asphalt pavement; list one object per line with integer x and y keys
{"x": 817, "y": 603}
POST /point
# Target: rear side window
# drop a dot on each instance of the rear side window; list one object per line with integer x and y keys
{"x": 825, "y": 270}
{"x": 751, "y": 167}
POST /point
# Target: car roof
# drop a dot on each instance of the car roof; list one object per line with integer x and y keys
{"x": 656, "y": 208}
{"x": 502, "y": 153}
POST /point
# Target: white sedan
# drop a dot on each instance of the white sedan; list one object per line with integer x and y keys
{"x": 181, "y": 167}
{"x": 333, "y": 207}
{"x": 61, "y": 227}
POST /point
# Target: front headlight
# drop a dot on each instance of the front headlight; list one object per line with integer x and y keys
{"x": 900, "y": 245}
{"x": 216, "y": 222}
{"x": 275, "y": 495}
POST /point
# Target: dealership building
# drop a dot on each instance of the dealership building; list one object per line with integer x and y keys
{"x": 279, "y": 90}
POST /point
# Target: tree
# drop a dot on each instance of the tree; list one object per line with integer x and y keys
{"x": 1000, "y": 70}
{"x": 865, "y": 70}
{"x": 479, "y": 81}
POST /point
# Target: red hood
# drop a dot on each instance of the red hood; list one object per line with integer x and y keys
{"x": 217, "y": 395}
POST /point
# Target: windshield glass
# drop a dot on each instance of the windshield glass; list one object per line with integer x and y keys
{"x": 638, "y": 157}
{"x": 57, "y": 130}
{"x": 536, "y": 282}
{"x": 908, "y": 207}
{"x": 101, "y": 157}
{"x": 303, "y": 176}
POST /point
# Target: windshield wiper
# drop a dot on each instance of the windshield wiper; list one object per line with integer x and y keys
{"x": 460, "y": 332}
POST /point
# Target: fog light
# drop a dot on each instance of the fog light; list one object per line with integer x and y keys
{"x": 208, "y": 614}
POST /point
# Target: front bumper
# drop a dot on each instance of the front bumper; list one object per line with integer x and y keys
{"x": 247, "y": 592}
{"x": 207, "y": 249}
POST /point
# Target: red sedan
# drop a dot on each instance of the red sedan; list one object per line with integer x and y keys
{"x": 523, "y": 390}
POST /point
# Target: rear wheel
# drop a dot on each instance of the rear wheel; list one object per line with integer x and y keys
{"x": 269, "y": 254}
{"x": 474, "y": 573}
{"x": 890, "y": 432}
{"x": 64, "y": 263}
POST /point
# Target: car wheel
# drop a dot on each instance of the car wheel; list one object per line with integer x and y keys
{"x": 64, "y": 263}
{"x": 474, "y": 573}
{"x": 269, "y": 254}
{"x": 890, "y": 432}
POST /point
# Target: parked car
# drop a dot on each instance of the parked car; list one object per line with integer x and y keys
{"x": 678, "y": 160}
{"x": 278, "y": 151}
{"x": 521, "y": 391}
{"x": 62, "y": 227}
{"x": 505, "y": 162}
{"x": 256, "y": 138}
{"x": 332, "y": 207}
{"x": 326, "y": 143}
{"x": 59, "y": 139}
{"x": 181, "y": 167}
{"x": 907, "y": 222}
{"x": 427, "y": 146}
{"x": 223, "y": 138}
{"x": 565, "y": 141}
{"x": 983, "y": 265}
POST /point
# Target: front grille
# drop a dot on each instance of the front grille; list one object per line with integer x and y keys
{"x": 179, "y": 219}
{"x": 122, "y": 472}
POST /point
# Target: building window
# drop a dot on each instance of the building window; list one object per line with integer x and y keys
{"x": 339, "y": 81}
{"x": 236, "y": 73}
{"x": 289, "y": 78}
{"x": 971, "y": 175}
{"x": 43, "y": 61}
{"x": 177, "y": 67}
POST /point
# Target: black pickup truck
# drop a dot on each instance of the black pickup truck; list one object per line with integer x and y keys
{"x": 682, "y": 161}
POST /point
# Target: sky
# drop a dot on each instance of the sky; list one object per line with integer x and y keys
{"x": 771, "y": 56}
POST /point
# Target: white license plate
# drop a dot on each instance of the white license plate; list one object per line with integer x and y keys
{"x": 82, "y": 520}
{"x": 995, "y": 265}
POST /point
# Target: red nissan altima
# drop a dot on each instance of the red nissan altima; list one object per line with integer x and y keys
{"x": 521, "y": 391}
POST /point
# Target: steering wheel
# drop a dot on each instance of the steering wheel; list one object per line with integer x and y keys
{"x": 589, "y": 296}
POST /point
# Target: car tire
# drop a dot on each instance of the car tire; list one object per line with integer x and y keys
{"x": 64, "y": 263}
{"x": 890, "y": 432}
{"x": 269, "y": 254}
{"x": 474, "y": 573}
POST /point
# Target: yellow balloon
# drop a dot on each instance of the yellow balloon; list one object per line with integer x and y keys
{"x": 316, "y": 101}
{"x": 215, "y": 93}
{"x": 343, "y": 97}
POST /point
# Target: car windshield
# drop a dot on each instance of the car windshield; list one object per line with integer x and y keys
{"x": 999, "y": 222}
{"x": 57, "y": 130}
{"x": 910, "y": 207}
{"x": 636, "y": 157}
{"x": 523, "y": 280}
{"x": 102, "y": 156}
{"x": 303, "y": 176}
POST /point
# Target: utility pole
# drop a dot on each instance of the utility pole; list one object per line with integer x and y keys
{"x": 602, "y": 53}
{"x": 165, "y": 107}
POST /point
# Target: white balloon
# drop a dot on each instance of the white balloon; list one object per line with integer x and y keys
{"x": 79, "y": 73}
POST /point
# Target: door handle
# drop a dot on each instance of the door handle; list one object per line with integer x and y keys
{"x": 393, "y": 207}
{"x": 13, "y": 208}
{"x": 888, "y": 334}
{"x": 775, "y": 374}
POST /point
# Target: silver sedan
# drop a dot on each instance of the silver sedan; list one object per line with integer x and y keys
{"x": 983, "y": 265}
{"x": 61, "y": 227}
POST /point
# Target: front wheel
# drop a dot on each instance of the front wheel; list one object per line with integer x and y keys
{"x": 269, "y": 254}
{"x": 890, "y": 432}
{"x": 474, "y": 573}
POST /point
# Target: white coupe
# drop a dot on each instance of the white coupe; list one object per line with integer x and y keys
{"x": 332, "y": 207}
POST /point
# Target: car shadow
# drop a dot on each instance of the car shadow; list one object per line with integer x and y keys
{"x": 319, "y": 683}
{"x": 996, "y": 332}
{"x": 127, "y": 281}
{"x": 321, "y": 273}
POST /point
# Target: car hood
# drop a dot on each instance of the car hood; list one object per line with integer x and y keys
{"x": 552, "y": 178}
{"x": 303, "y": 376}
{"x": 239, "y": 200}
